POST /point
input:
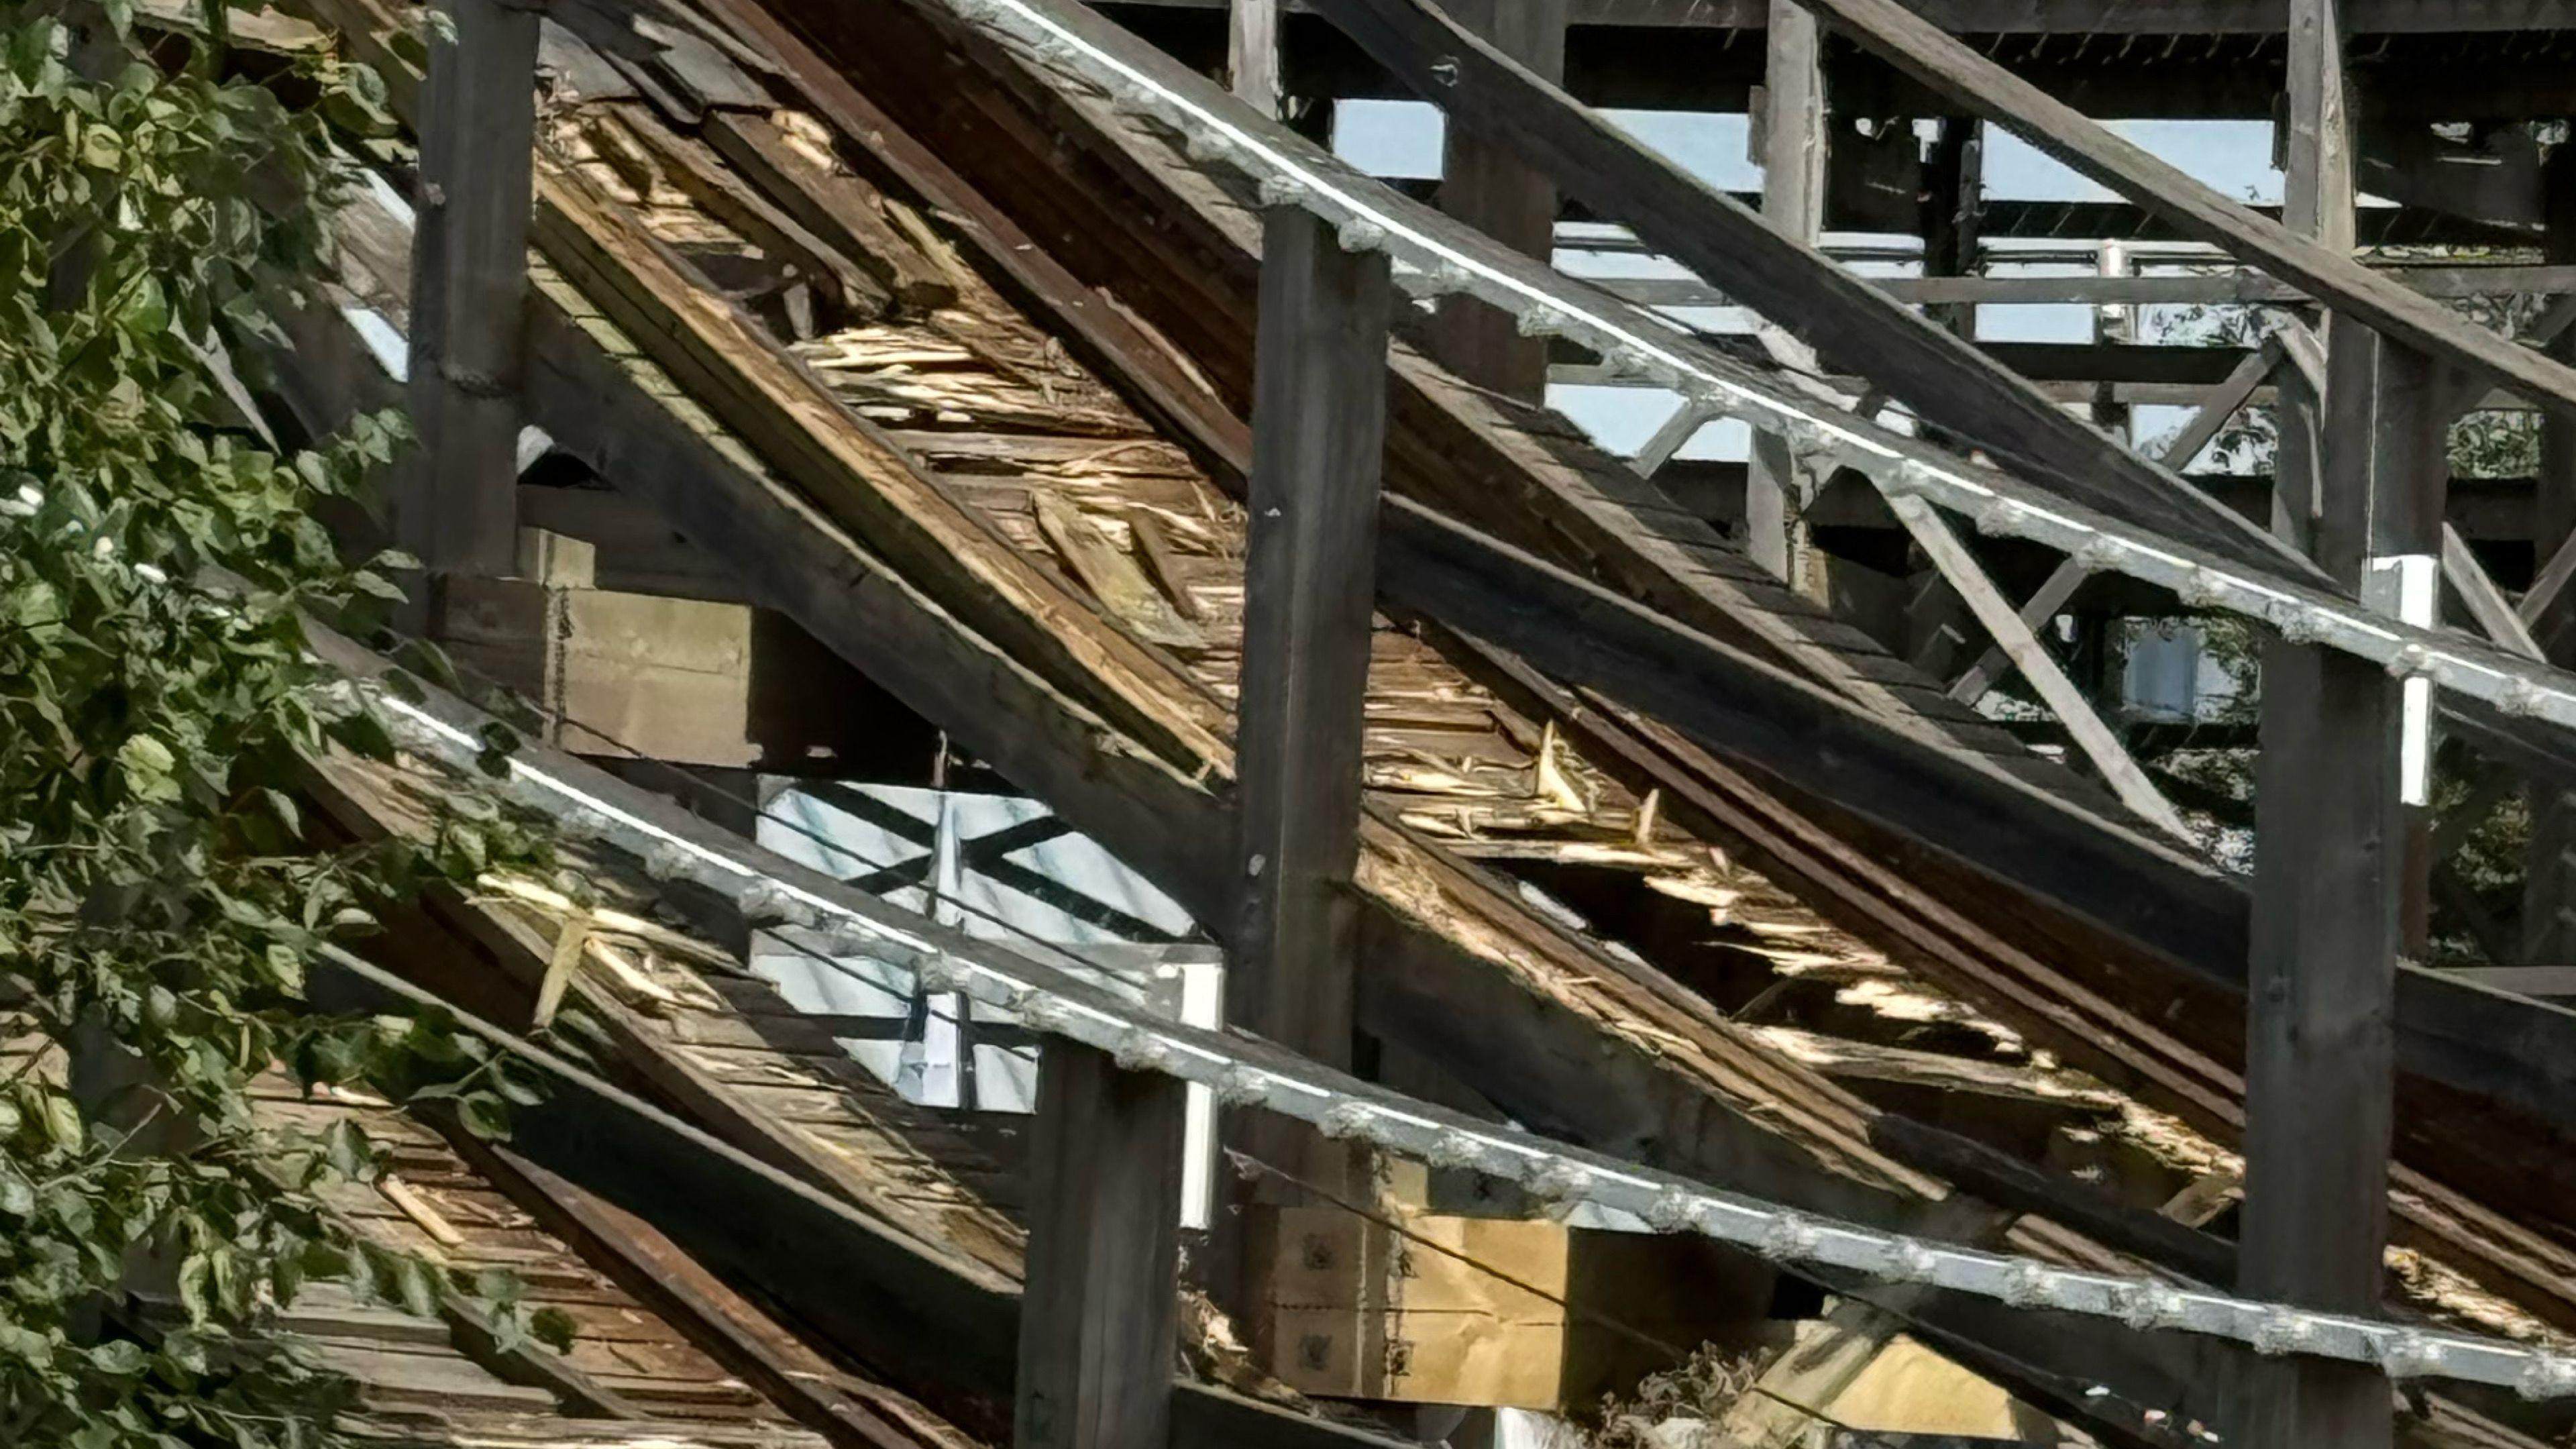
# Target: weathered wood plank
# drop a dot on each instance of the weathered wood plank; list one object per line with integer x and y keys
{"x": 599, "y": 411}
{"x": 1750, "y": 710}
{"x": 2487, "y": 604}
{"x": 695, "y": 169}
{"x": 2221, "y": 406}
{"x": 2549, "y": 875}
{"x": 734, "y": 368}
{"x": 1796, "y": 151}
{"x": 2009, "y": 1182}
{"x": 2035, "y": 611}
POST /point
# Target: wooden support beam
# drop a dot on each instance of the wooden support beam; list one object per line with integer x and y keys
{"x": 2549, "y": 583}
{"x": 457, "y": 508}
{"x": 1487, "y": 183}
{"x": 1310, "y": 584}
{"x": 1252, "y": 53}
{"x": 1675, "y": 433}
{"x": 2015, "y": 638}
{"x": 1851, "y": 323}
{"x": 1310, "y": 591}
{"x": 1793, "y": 143}
{"x": 2486, "y": 603}
{"x": 2038, "y": 609}
{"x": 1953, "y": 203}
{"x": 2465, "y": 390}
{"x": 1099, "y": 1313}
{"x": 2009, "y": 1182}
{"x": 2549, "y": 861}
{"x": 2327, "y": 272}
{"x": 2222, "y": 404}
{"x": 2332, "y": 880}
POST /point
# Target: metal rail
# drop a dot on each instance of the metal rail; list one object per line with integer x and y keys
{"x": 1433, "y": 257}
{"x": 819, "y": 914}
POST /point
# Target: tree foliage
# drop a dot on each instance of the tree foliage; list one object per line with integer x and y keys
{"x": 161, "y": 896}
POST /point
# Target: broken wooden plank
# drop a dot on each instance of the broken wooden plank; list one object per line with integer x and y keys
{"x": 832, "y": 204}
{"x": 692, "y": 167}
{"x": 1108, "y": 572}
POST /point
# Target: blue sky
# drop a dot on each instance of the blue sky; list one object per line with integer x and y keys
{"x": 1403, "y": 139}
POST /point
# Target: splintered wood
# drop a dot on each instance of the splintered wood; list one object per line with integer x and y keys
{"x": 430, "y": 1202}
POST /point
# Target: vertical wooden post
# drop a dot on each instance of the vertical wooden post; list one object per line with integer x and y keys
{"x": 1953, "y": 187}
{"x": 2114, "y": 322}
{"x": 1310, "y": 582}
{"x": 2317, "y": 198}
{"x": 1252, "y": 54}
{"x": 1097, "y": 1318}
{"x": 1794, "y": 148}
{"x": 458, "y": 506}
{"x": 2549, "y": 874}
{"x": 1485, "y": 183}
{"x": 2333, "y": 875}
{"x": 2330, "y": 833}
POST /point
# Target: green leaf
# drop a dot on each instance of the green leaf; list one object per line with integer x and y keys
{"x": 63, "y": 1123}
{"x": 146, "y": 764}
{"x": 419, "y": 1293}
{"x": 17, "y": 1194}
{"x": 554, "y": 1328}
{"x": 484, "y": 1115}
